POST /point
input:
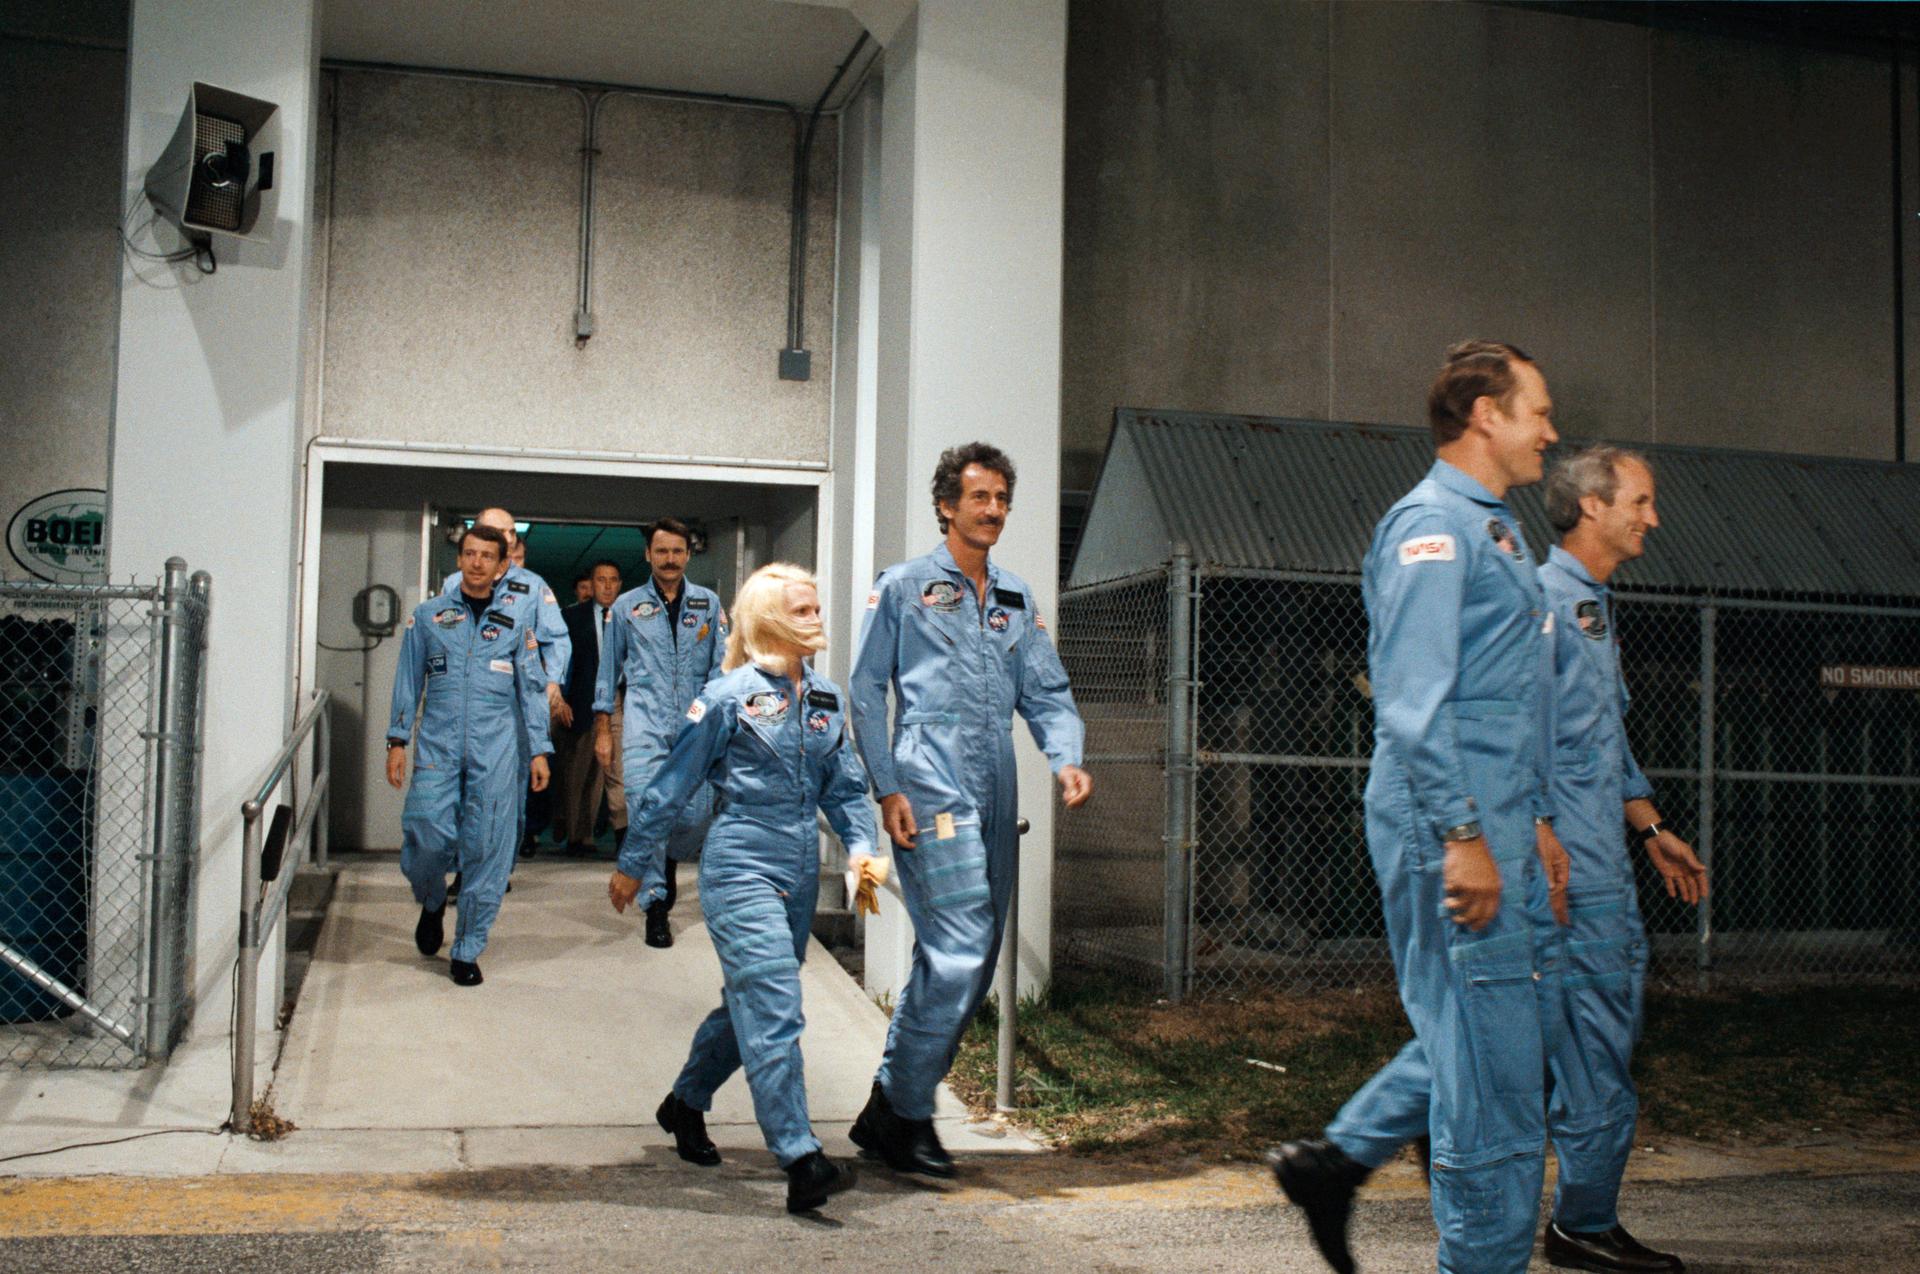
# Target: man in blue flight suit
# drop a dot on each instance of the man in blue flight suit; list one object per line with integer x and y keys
{"x": 666, "y": 641}
{"x": 525, "y": 596}
{"x": 1459, "y": 826}
{"x": 963, "y": 647}
{"x": 479, "y": 669}
{"x": 1602, "y": 503}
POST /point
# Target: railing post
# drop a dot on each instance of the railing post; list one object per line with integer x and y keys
{"x": 1703, "y": 951}
{"x": 170, "y": 714}
{"x": 1178, "y": 839}
{"x": 1007, "y": 988}
{"x": 246, "y": 992}
{"x": 322, "y": 780}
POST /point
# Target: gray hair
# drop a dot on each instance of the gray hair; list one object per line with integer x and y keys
{"x": 1594, "y": 471}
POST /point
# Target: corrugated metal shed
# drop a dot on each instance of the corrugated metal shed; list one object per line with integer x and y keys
{"x": 1303, "y": 495}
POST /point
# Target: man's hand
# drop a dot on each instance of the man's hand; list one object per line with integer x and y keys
{"x": 1472, "y": 883}
{"x": 542, "y": 773}
{"x": 562, "y": 712}
{"x": 557, "y": 703}
{"x": 1076, "y": 785}
{"x": 1674, "y": 859}
{"x": 1553, "y": 857}
{"x": 896, "y": 816}
{"x": 603, "y": 740}
{"x": 621, "y": 889}
{"x": 397, "y": 767}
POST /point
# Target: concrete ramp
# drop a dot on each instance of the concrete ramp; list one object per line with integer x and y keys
{"x": 579, "y": 1026}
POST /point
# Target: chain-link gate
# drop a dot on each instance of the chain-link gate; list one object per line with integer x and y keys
{"x": 1227, "y": 846}
{"x": 100, "y": 692}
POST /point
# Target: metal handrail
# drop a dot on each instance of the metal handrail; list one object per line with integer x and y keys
{"x": 259, "y": 915}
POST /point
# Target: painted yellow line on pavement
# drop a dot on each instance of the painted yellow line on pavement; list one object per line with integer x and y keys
{"x": 31, "y": 1208}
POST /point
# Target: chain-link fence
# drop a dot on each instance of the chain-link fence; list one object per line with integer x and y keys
{"x": 100, "y": 691}
{"x": 1228, "y": 847}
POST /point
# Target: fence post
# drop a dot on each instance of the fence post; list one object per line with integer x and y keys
{"x": 1178, "y": 839}
{"x": 1703, "y": 953}
{"x": 170, "y": 731}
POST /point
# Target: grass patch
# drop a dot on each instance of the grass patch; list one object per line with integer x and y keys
{"x": 1103, "y": 1068}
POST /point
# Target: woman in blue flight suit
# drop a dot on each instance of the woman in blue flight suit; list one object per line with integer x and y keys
{"x": 770, "y": 735}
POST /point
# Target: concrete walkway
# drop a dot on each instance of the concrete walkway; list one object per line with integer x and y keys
{"x": 559, "y": 1058}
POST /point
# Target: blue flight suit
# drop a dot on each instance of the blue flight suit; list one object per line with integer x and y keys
{"x": 1593, "y": 1106}
{"x": 960, "y": 666}
{"x": 484, "y": 716}
{"x": 518, "y": 591}
{"x": 665, "y": 669}
{"x": 776, "y": 754}
{"x": 1458, "y": 657}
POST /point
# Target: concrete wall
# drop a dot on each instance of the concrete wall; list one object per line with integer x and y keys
{"x": 451, "y": 255}
{"x": 65, "y": 105}
{"x": 1291, "y": 209}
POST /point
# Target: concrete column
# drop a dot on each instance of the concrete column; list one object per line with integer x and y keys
{"x": 969, "y": 328}
{"x": 204, "y": 456}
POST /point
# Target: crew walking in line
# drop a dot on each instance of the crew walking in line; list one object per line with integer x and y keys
{"x": 1459, "y": 826}
{"x": 770, "y": 735}
{"x": 666, "y": 640}
{"x": 484, "y": 710}
{"x": 1602, "y": 504}
{"x": 960, "y": 642}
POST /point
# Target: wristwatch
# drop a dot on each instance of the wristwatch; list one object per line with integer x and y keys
{"x": 1543, "y": 820}
{"x": 1461, "y": 831}
{"x": 1650, "y": 831}
{"x": 395, "y": 743}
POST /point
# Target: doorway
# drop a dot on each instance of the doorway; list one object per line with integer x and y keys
{"x": 379, "y": 525}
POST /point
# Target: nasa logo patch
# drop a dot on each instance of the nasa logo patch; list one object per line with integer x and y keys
{"x": 997, "y": 620}
{"x": 689, "y": 620}
{"x": 1505, "y": 540}
{"x": 817, "y": 722}
{"x": 1592, "y": 620}
{"x": 489, "y": 632}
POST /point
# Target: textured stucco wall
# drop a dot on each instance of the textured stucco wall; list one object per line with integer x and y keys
{"x": 65, "y": 107}
{"x": 1291, "y": 209}
{"x": 451, "y": 259}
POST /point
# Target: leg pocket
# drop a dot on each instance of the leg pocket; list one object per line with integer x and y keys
{"x": 951, "y": 872}
{"x": 1500, "y": 1012}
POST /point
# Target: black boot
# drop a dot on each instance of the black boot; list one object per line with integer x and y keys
{"x": 689, "y": 1129}
{"x": 905, "y": 1145}
{"x": 1606, "y": 1250}
{"x": 658, "y": 933}
{"x": 431, "y": 933}
{"x": 1321, "y": 1180}
{"x": 812, "y": 1179}
{"x": 465, "y": 973}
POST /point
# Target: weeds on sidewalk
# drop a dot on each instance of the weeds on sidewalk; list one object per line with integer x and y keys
{"x": 1103, "y": 1068}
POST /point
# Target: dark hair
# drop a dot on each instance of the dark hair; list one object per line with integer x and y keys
{"x": 1473, "y": 370}
{"x": 672, "y": 526}
{"x": 954, "y": 461}
{"x": 615, "y": 566}
{"x": 486, "y": 534}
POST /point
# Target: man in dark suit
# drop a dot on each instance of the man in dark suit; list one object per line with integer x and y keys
{"x": 582, "y": 783}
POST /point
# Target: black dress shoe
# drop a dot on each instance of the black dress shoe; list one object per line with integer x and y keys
{"x": 658, "y": 934}
{"x": 689, "y": 1129}
{"x": 1321, "y": 1179}
{"x": 812, "y": 1179}
{"x": 465, "y": 973}
{"x": 581, "y": 849}
{"x": 1605, "y": 1250}
{"x": 431, "y": 933}
{"x": 905, "y": 1145}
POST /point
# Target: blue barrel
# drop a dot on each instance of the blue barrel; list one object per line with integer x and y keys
{"x": 43, "y": 888}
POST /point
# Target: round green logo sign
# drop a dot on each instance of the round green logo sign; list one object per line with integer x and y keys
{"x": 62, "y": 536}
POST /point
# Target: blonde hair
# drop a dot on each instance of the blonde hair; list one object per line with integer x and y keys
{"x": 760, "y": 625}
